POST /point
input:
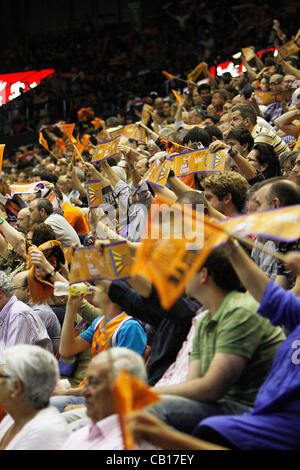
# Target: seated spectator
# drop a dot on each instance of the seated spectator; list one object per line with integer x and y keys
{"x": 228, "y": 365}
{"x": 73, "y": 215}
{"x": 19, "y": 324}
{"x": 244, "y": 115}
{"x": 42, "y": 211}
{"x": 276, "y": 403}
{"x": 100, "y": 403}
{"x": 271, "y": 194}
{"x": 120, "y": 330}
{"x": 264, "y": 159}
{"x": 28, "y": 377}
{"x": 226, "y": 192}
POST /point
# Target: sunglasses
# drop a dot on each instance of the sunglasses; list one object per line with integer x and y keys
{"x": 2, "y": 376}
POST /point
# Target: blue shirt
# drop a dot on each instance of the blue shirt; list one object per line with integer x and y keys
{"x": 274, "y": 422}
{"x": 130, "y": 335}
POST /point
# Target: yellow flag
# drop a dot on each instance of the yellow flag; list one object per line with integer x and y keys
{"x": 249, "y": 53}
{"x": 129, "y": 131}
{"x": 279, "y": 224}
{"x": 94, "y": 193}
{"x": 197, "y": 161}
{"x": 268, "y": 97}
{"x": 193, "y": 76}
{"x": 89, "y": 265}
{"x": 297, "y": 145}
{"x": 158, "y": 173}
{"x": 106, "y": 150}
{"x": 146, "y": 113}
{"x": 287, "y": 49}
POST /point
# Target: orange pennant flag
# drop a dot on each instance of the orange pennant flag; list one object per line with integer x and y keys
{"x": 196, "y": 72}
{"x": 78, "y": 147}
{"x": 68, "y": 130}
{"x": 97, "y": 123}
{"x": 2, "y": 147}
{"x": 131, "y": 394}
{"x": 177, "y": 96}
{"x": 177, "y": 243}
{"x": 86, "y": 141}
{"x": 168, "y": 75}
{"x": 60, "y": 144}
{"x": 43, "y": 142}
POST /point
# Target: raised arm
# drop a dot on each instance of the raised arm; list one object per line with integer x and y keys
{"x": 15, "y": 238}
{"x": 246, "y": 168}
{"x": 290, "y": 69}
{"x": 285, "y": 122}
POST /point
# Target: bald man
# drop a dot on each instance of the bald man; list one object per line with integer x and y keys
{"x": 23, "y": 220}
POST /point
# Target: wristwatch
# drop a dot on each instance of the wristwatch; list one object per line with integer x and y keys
{"x": 48, "y": 276}
{"x": 2, "y": 220}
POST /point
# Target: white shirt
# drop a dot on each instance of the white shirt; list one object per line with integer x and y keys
{"x": 104, "y": 435}
{"x": 64, "y": 232}
{"x": 46, "y": 431}
{"x": 263, "y": 123}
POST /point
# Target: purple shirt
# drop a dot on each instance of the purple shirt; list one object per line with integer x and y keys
{"x": 19, "y": 325}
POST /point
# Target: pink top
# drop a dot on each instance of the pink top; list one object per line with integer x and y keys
{"x": 177, "y": 372}
{"x": 104, "y": 435}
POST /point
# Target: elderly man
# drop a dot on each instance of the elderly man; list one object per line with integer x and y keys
{"x": 23, "y": 220}
{"x": 102, "y": 431}
{"x": 18, "y": 323}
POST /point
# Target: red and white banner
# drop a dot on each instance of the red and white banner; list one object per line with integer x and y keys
{"x": 13, "y": 84}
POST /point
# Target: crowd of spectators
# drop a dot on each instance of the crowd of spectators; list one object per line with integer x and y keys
{"x": 222, "y": 361}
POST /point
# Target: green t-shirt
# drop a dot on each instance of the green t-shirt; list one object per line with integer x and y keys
{"x": 236, "y": 328}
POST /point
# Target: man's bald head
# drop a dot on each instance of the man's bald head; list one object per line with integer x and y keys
{"x": 23, "y": 220}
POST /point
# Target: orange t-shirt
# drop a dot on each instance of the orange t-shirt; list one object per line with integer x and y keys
{"x": 75, "y": 218}
{"x": 189, "y": 180}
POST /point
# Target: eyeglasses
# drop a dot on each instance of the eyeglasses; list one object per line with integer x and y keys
{"x": 19, "y": 287}
{"x": 2, "y": 376}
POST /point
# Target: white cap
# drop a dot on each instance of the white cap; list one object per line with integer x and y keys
{"x": 120, "y": 172}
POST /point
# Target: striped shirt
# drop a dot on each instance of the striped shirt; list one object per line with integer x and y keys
{"x": 237, "y": 329}
{"x": 19, "y": 325}
{"x": 262, "y": 135}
